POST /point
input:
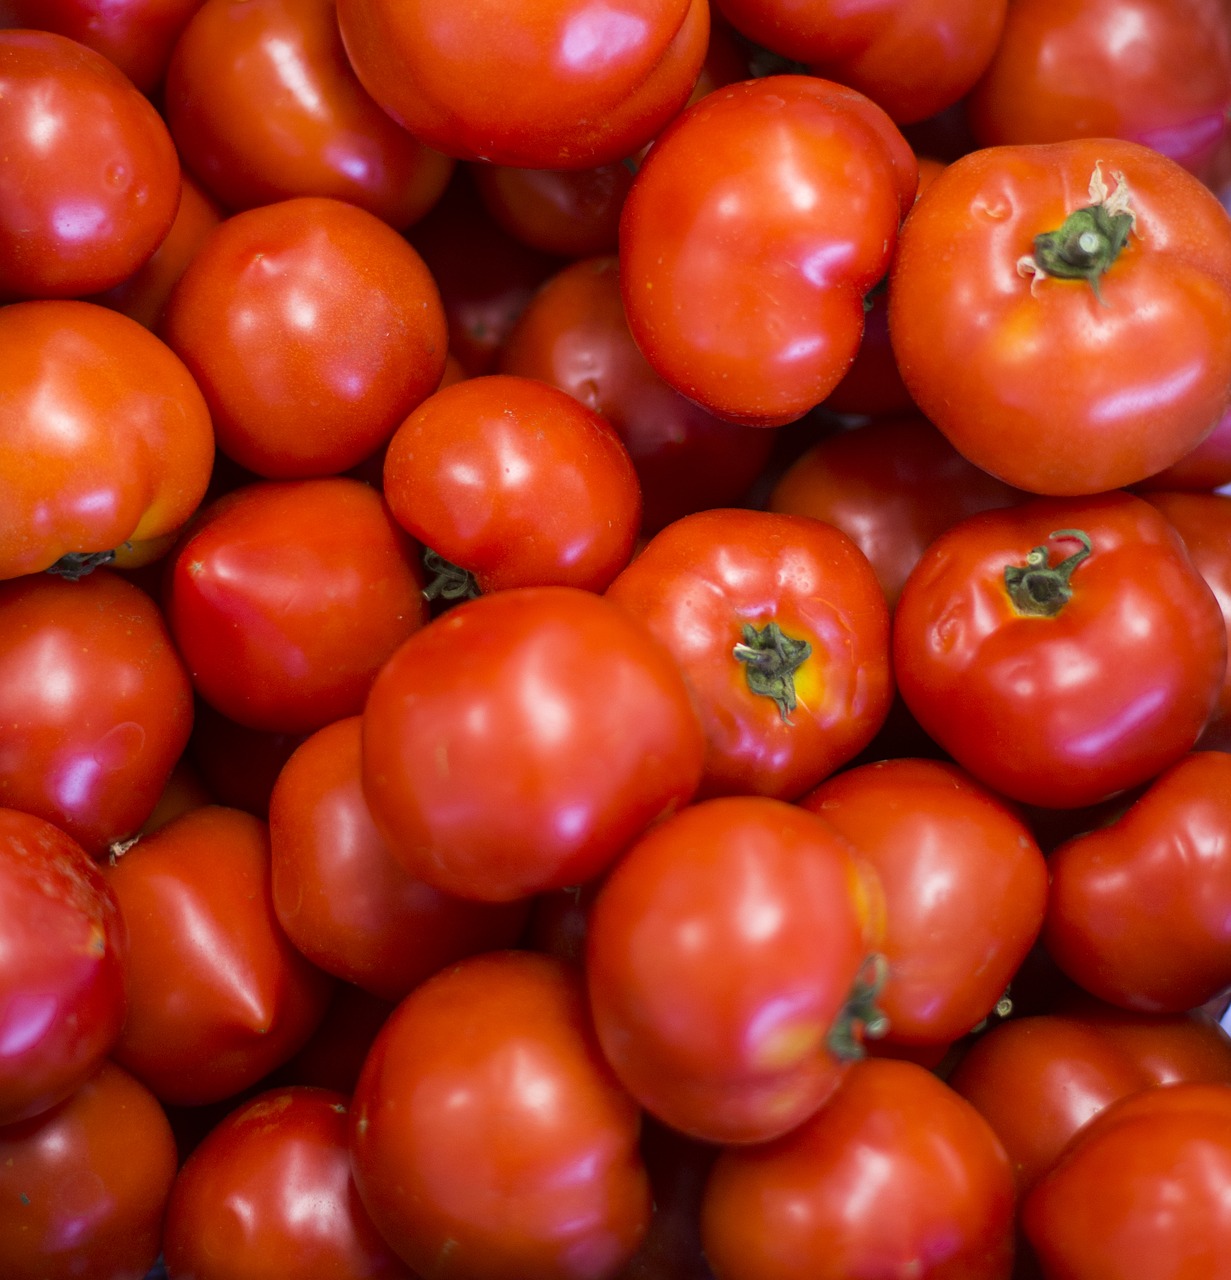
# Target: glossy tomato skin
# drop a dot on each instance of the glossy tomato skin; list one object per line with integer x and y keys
{"x": 95, "y": 704}
{"x": 520, "y": 741}
{"x": 965, "y": 889}
{"x": 83, "y": 1187}
{"x": 91, "y": 180}
{"x": 268, "y": 1195}
{"x": 63, "y": 974}
{"x": 720, "y": 955}
{"x": 488, "y": 1135}
{"x": 701, "y": 583}
{"x": 342, "y": 897}
{"x": 217, "y": 995}
{"x": 895, "y": 1175}
{"x": 1055, "y": 385}
{"x": 792, "y": 178}
{"x": 1206, "y": 467}
{"x": 1138, "y": 908}
{"x": 285, "y": 598}
{"x": 1061, "y": 711}
{"x": 128, "y": 457}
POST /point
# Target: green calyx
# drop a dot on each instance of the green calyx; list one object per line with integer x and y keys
{"x": 861, "y": 1017}
{"x": 447, "y": 581}
{"x": 1040, "y": 589}
{"x": 75, "y": 565}
{"x": 770, "y": 660}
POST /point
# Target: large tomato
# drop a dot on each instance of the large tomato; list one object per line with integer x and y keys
{"x": 1062, "y": 312}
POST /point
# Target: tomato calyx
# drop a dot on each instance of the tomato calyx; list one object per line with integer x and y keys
{"x": 72, "y": 566}
{"x": 1089, "y": 240}
{"x": 770, "y": 659}
{"x": 448, "y": 581}
{"x": 1040, "y": 589}
{"x": 861, "y": 1017}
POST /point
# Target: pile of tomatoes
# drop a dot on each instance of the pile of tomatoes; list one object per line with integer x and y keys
{"x": 614, "y": 639}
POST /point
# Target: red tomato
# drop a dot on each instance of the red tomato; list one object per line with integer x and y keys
{"x": 90, "y": 179}
{"x": 62, "y": 969}
{"x": 268, "y": 1195}
{"x": 1061, "y": 650}
{"x": 965, "y": 889}
{"x": 239, "y": 765}
{"x": 95, "y": 704}
{"x": 334, "y": 1055}
{"x": 725, "y": 960}
{"x": 217, "y": 996}
{"x": 313, "y": 329}
{"x": 895, "y": 1176}
{"x": 84, "y": 1185}
{"x": 1208, "y": 466}
{"x": 517, "y": 483}
{"x": 107, "y": 438}
{"x": 520, "y": 741}
{"x": 488, "y": 1136}
{"x": 790, "y": 179}
{"x": 1062, "y": 312}
{"x": 780, "y": 628}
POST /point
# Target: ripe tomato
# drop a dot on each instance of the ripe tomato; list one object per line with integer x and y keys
{"x": 489, "y": 1137}
{"x": 1208, "y": 466}
{"x": 1061, "y": 650}
{"x": 790, "y": 179}
{"x": 1062, "y": 312}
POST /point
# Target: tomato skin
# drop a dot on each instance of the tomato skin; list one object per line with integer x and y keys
{"x": 489, "y": 1137}
{"x": 91, "y": 179}
{"x": 1208, "y": 466}
{"x": 792, "y": 178}
{"x": 130, "y": 456}
{"x": 701, "y": 581}
{"x": 521, "y": 740}
{"x": 1040, "y": 380}
{"x": 896, "y": 1175}
{"x": 95, "y": 704}
{"x": 1061, "y": 711}
{"x": 721, "y": 952}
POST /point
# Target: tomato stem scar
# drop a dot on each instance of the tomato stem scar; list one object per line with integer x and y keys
{"x": 770, "y": 660}
{"x": 1040, "y": 589}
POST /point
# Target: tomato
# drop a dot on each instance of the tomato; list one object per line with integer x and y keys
{"x": 286, "y": 597}
{"x": 263, "y": 105}
{"x": 1138, "y": 909}
{"x": 791, "y": 179}
{"x": 965, "y": 889}
{"x": 1062, "y": 312}
{"x": 334, "y": 1054}
{"x": 95, "y": 704}
{"x": 585, "y": 83}
{"x": 268, "y": 1194}
{"x": 1208, "y": 466}
{"x": 520, "y": 741}
{"x": 90, "y": 179}
{"x": 107, "y": 438}
{"x": 1061, "y": 650}
{"x": 489, "y": 1137}
{"x": 84, "y": 1185}
{"x": 780, "y": 628}
{"x": 62, "y": 970}
{"x": 725, "y": 961}
{"x": 239, "y": 765}
{"x": 343, "y": 899}
{"x": 895, "y": 1176}
{"x": 517, "y": 483}
{"x": 313, "y": 329}
{"x": 217, "y": 995}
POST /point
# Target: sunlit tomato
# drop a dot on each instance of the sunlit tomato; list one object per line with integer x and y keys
{"x": 95, "y": 704}
{"x": 789, "y": 179}
{"x": 106, "y": 438}
{"x": 263, "y": 105}
{"x": 1060, "y": 650}
{"x": 965, "y": 889}
{"x": 89, "y": 178}
{"x": 517, "y": 483}
{"x": 586, "y": 82}
{"x": 895, "y": 1176}
{"x": 725, "y": 959}
{"x": 489, "y": 1137}
{"x": 84, "y": 1185}
{"x": 1062, "y": 312}
{"x": 520, "y": 741}
{"x": 342, "y": 897}
{"x": 781, "y": 630}
{"x": 268, "y": 1195}
{"x": 286, "y": 597}
{"x": 313, "y": 329}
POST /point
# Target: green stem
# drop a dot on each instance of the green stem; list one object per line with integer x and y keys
{"x": 1042, "y": 590}
{"x": 861, "y": 1017}
{"x": 770, "y": 660}
{"x": 448, "y": 581}
{"x": 75, "y": 565}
